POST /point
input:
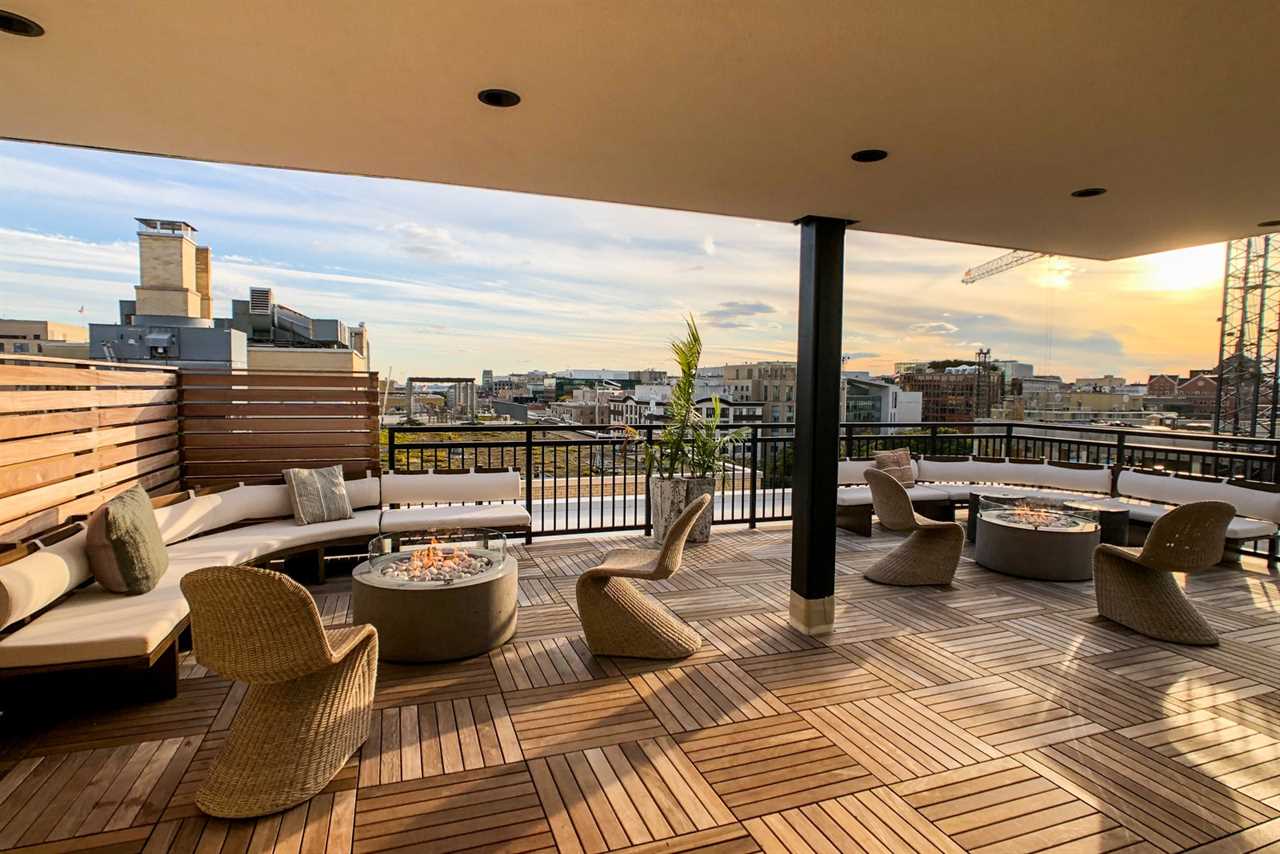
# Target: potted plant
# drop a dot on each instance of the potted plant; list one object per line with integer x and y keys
{"x": 691, "y": 449}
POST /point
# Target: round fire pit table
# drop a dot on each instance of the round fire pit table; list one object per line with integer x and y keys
{"x": 1114, "y": 520}
{"x": 437, "y": 596}
{"x": 1031, "y": 541}
{"x": 995, "y": 496}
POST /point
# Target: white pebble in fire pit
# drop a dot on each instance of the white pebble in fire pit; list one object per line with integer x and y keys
{"x": 438, "y": 563}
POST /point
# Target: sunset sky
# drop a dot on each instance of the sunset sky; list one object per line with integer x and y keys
{"x": 452, "y": 280}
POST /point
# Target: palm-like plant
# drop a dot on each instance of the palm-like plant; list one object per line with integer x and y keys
{"x": 689, "y": 442}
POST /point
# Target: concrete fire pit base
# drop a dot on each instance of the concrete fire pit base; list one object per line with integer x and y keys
{"x": 1041, "y": 553}
{"x": 436, "y": 622}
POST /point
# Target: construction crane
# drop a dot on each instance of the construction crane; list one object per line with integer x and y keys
{"x": 1008, "y": 261}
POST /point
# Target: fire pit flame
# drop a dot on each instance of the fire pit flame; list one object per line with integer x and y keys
{"x": 437, "y": 562}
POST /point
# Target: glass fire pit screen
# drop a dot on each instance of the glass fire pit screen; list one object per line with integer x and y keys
{"x": 436, "y": 558}
{"x": 1030, "y": 514}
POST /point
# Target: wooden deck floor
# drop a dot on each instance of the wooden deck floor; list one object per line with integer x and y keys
{"x": 998, "y": 716}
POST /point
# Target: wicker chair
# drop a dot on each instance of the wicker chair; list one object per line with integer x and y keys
{"x": 929, "y": 555}
{"x": 310, "y": 693}
{"x": 618, "y": 619}
{"x": 1136, "y": 588}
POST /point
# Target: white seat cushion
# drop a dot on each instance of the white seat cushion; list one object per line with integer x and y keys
{"x": 858, "y": 496}
{"x": 1168, "y": 489}
{"x": 1240, "y": 527}
{"x": 456, "y": 516}
{"x": 94, "y": 625}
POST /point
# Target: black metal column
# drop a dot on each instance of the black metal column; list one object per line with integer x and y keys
{"x": 813, "y": 479}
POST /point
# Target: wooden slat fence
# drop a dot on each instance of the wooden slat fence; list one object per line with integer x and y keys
{"x": 249, "y": 427}
{"x": 74, "y": 433}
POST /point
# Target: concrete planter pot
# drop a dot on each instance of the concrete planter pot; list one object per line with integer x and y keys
{"x": 667, "y": 500}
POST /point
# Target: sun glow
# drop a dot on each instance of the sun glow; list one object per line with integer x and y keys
{"x": 1182, "y": 270}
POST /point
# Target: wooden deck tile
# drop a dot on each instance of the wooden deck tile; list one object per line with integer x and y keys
{"x": 992, "y": 603}
{"x": 633, "y": 666}
{"x": 961, "y": 709}
{"x": 693, "y": 605}
{"x": 898, "y": 739}
{"x": 1259, "y": 663}
{"x": 1166, "y": 803}
{"x": 611, "y": 798}
{"x": 552, "y": 661}
{"x": 547, "y": 621}
{"x": 538, "y": 591}
{"x": 88, "y": 792}
{"x": 820, "y": 677}
{"x": 993, "y": 648}
{"x": 873, "y": 821}
{"x": 726, "y": 839}
{"x": 410, "y": 742}
{"x": 488, "y": 809}
{"x": 752, "y": 635}
{"x": 1264, "y": 837}
{"x": 1234, "y": 755}
{"x": 704, "y": 695}
{"x": 773, "y": 763}
{"x": 908, "y": 662}
{"x": 1192, "y": 682}
{"x": 1097, "y": 694}
{"x": 1004, "y": 715}
{"x": 1005, "y": 806}
{"x": 405, "y": 684}
{"x": 1261, "y": 713}
{"x": 853, "y": 624}
{"x": 914, "y": 613}
{"x": 335, "y": 608}
{"x": 579, "y": 716}
{"x": 1074, "y": 637}
{"x": 192, "y": 712}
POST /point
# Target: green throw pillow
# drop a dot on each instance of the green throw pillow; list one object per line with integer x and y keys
{"x": 123, "y": 542}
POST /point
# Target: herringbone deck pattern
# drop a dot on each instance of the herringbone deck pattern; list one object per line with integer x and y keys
{"x": 997, "y": 715}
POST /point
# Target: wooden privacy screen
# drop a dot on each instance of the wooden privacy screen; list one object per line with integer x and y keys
{"x": 249, "y": 427}
{"x": 73, "y": 433}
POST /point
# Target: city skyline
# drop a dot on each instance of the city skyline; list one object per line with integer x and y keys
{"x": 457, "y": 280}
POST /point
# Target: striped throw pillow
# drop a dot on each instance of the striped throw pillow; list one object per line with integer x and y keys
{"x": 318, "y": 495}
{"x": 897, "y": 464}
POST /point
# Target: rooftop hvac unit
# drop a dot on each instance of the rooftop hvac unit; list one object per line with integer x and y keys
{"x": 260, "y": 300}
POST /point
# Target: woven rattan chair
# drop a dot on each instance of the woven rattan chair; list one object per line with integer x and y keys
{"x": 931, "y": 551}
{"x": 310, "y": 688}
{"x": 1137, "y": 588}
{"x": 618, "y": 619}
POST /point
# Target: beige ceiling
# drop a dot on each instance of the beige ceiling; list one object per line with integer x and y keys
{"x": 993, "y": 110}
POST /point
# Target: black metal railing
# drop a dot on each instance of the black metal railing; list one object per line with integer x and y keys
{"x": 588, "y": 479}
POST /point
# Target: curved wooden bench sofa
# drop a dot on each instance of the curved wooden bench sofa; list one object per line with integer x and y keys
{"x": 945, "y": 482}
{"x": 55, "y": 617}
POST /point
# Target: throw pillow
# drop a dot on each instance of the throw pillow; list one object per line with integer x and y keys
{"x": 897, "y": 464}
{"x": 123, "y": 543}
{"x": 318, "y": 495}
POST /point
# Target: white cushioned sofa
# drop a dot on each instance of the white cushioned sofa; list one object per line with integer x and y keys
{"x": 54, "y": 616}
{"x": 1147, "y": 495}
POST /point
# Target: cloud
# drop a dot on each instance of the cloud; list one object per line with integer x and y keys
{"x": 937, "y": 327}
{"x": 731, "y": 314}
{"x": 435, "y": 243}
{"x": 708, "y": 245}
{"x": 861, "y": 354}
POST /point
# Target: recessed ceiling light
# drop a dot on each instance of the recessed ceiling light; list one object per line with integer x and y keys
{"x": 1269, "y": 223}
{"x": 498, "y": 97}
{"x": 17, "y": 25}
{"x": 870, "y": 155}
{"x": 1088, "y": 192}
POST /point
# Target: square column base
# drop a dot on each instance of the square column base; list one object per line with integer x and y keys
{"x": 813, "y": 616}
